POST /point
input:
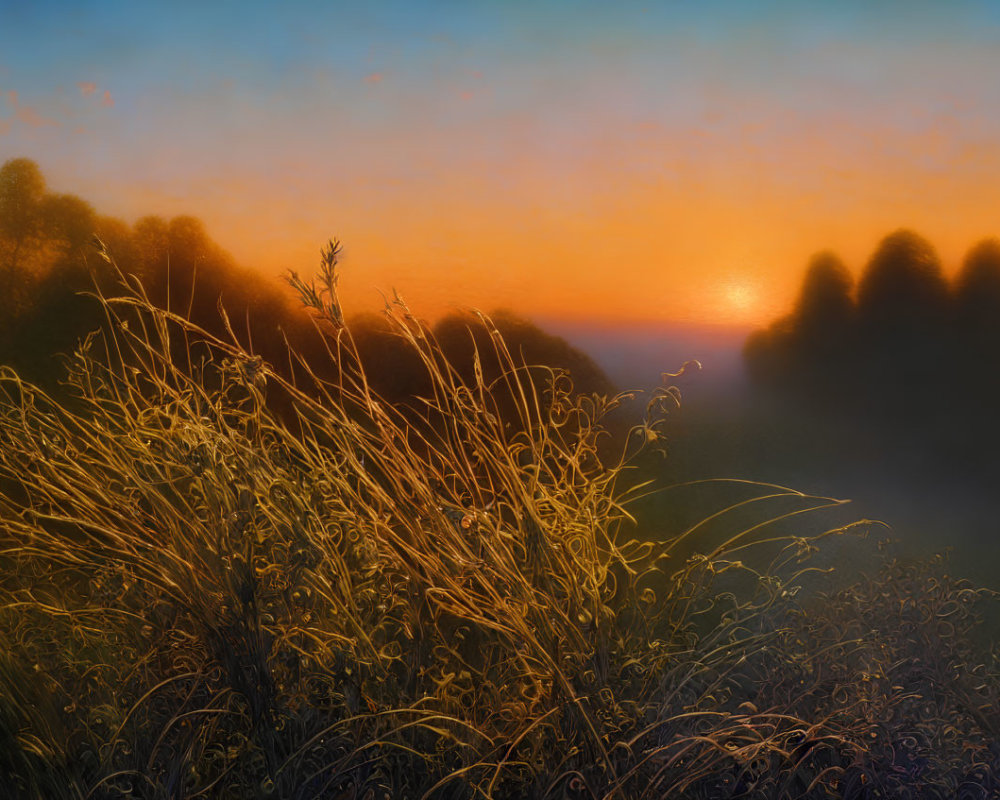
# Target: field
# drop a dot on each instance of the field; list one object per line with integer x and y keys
{"x": 225, "y": 580}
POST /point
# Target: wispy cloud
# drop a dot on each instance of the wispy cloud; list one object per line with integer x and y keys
{"x": 4, "y": 127}
{"x": 87, "y": 88}
{"x": 107, "y": 101}
{"x": 12, "y": 98}
{"x": 374, "y": 77}
{"x": 29, "y": 116}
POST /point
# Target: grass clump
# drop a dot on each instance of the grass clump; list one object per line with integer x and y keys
{"x": 220, "y": 581}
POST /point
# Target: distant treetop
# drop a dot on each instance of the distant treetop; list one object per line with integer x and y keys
{"x": 902, "y": 282}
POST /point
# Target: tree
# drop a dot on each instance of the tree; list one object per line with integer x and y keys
{"x": 976, "y": 383}
{"x": 824, "y": 314}
{"x": 22, "y": 189}
{"x": 903, "y": 305}
{"x": 977, "y": 296}
{"x": 151, "y": 243}
{"x": 902, "y": 288}
{"x": 805, "y": 352}
{"x": 767, "y": 354}
{"x": 67, "y": 221}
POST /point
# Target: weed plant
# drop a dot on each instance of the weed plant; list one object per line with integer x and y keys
{"x": 205, "y": 597}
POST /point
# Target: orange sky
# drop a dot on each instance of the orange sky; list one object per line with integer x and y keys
{"x": 723, "y": 239}
{"x": 673, "y": 164}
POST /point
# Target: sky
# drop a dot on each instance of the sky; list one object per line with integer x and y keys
{"x": 644, "y": 161}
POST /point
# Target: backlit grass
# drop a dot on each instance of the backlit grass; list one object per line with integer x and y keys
{"x": 222, "y": 582}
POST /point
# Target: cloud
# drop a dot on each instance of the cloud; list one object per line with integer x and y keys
{"x": 29, "y": 116}
{"x": 87, "y": 88}
{"x": 373, "y": 78}
{"x": 4, "y": 127}
{"x": 107, "y": 100}
{"x": 12, "y": 98}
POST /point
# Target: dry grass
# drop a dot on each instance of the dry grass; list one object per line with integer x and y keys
{"x": 202, "y": 597}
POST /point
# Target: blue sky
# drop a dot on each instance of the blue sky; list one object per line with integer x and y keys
{"x": 428, "y": 135}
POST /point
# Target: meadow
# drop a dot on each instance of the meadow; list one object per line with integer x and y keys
{"x": 221, "y": 579}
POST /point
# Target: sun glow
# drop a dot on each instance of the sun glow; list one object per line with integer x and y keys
{"x": 741, "y": 297}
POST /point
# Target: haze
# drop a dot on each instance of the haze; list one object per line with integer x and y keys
{"x": 578, "y": 161}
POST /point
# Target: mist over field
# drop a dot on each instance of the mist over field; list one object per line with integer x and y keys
{"x": 726, "y": 427}
{"x": 936, "y": 507}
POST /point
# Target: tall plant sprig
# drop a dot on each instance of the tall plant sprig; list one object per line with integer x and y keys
{"x": 323, "y": 298}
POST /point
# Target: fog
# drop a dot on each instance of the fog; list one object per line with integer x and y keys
{"x": 726, "y": 428}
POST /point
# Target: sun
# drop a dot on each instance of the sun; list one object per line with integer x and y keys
{"x": 741, "y": 297}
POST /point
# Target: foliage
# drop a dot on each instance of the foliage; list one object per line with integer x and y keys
{"x": 200, "y": 598}
{"x": 891, "y": 662}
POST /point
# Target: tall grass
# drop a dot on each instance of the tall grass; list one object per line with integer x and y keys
{"x": 222, "y": 580}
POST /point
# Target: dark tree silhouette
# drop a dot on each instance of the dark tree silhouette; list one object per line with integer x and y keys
{"x": 871, "y": 373}
{"x": 807, "y": 352}
{"x": 903, "y": 309}
{"x": 977, "y": 297}
{"x": 902, "y": 289}
{"x": 975, "y": 381}
{"x": 824, "y": 314}
{"x": 823, "y": 330}
{"x": 767, "y": 353}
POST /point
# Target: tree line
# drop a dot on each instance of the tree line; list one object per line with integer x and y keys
{"x": 47, "y": 265}
{"x": 904, "y": 352}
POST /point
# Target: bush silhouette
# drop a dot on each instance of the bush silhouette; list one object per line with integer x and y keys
{"x": 393, "y": 369}
{"x": 528, "y": 343}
